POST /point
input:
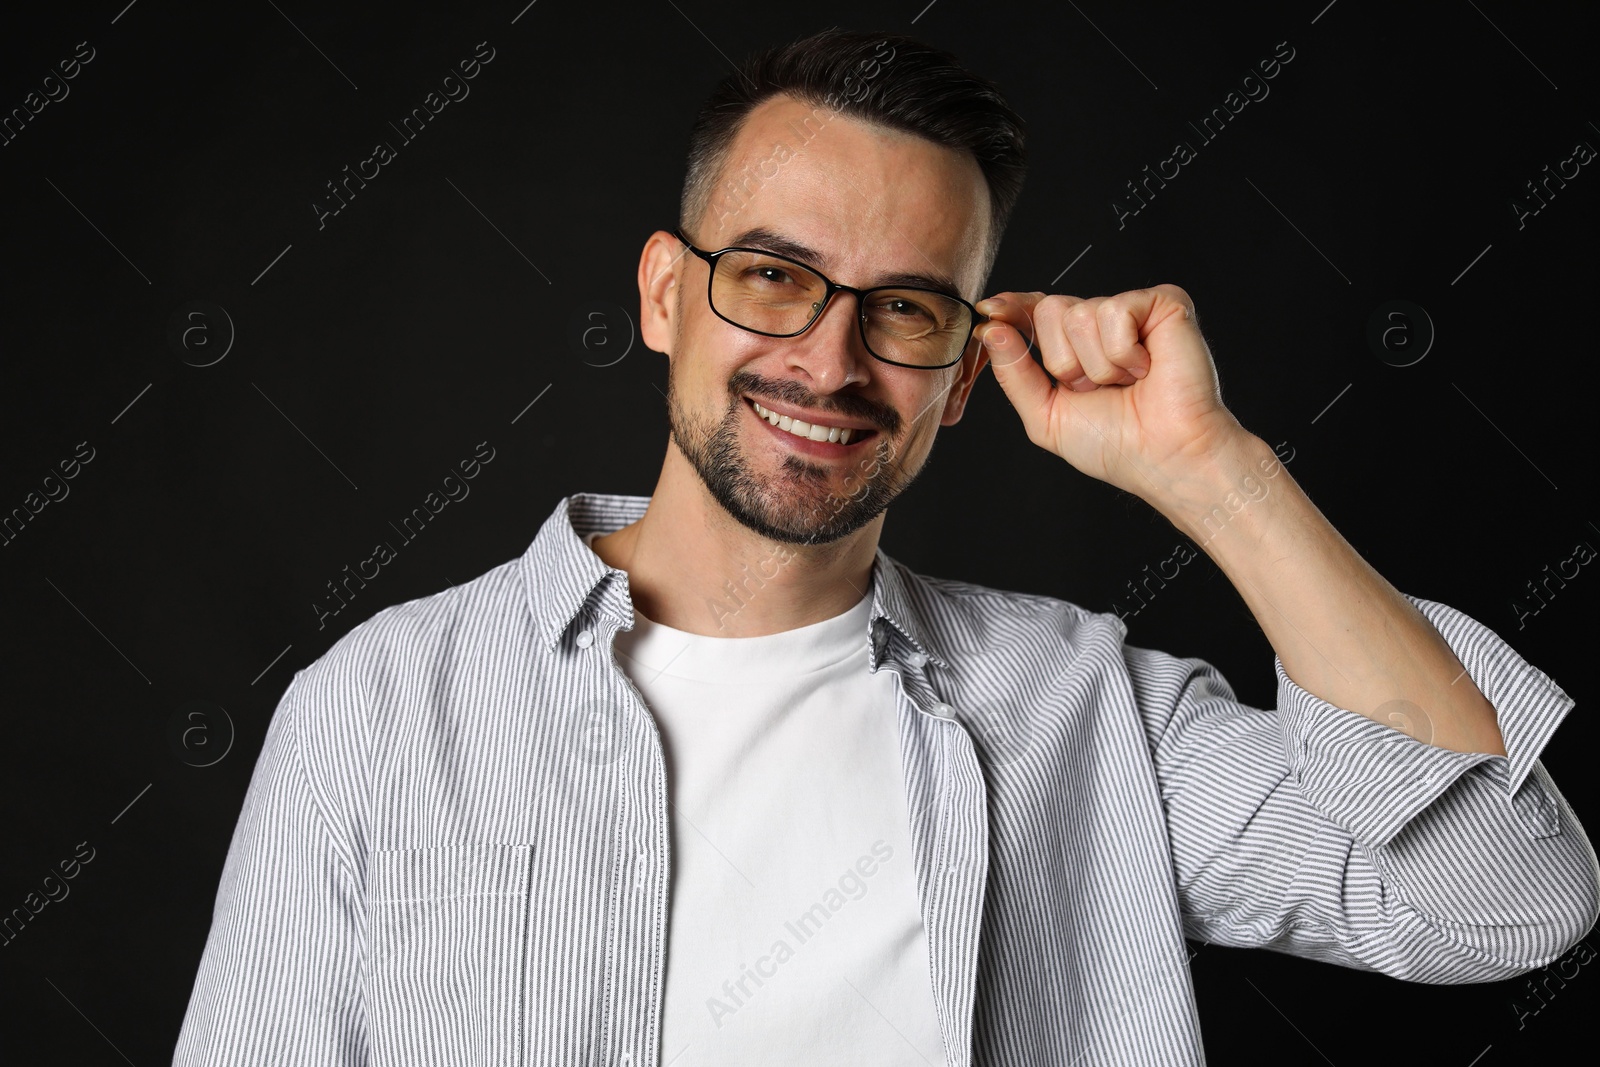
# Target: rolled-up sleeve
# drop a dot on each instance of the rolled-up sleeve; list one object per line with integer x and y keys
{"x": 279, "y": 980}
{"x": 1315, "y": 830}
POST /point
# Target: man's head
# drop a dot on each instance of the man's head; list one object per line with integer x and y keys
{"x": 874, "y": 160}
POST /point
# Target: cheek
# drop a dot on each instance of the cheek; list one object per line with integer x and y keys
{"x": 699, "y": 351}
{"x": 717, "y": 345}
{"x": 925, "y": 409}
{"x": 916, "y": 435}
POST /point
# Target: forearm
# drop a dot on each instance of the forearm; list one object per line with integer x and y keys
{"x": 1341, "y": 630}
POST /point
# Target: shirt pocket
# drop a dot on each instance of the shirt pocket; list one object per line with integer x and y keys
{"x": 445, "y": 971}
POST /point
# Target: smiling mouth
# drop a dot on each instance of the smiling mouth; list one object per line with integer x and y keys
{"x": 817, "y": 432}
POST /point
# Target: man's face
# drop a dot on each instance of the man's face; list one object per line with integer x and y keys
{"x": 869, "y": 204}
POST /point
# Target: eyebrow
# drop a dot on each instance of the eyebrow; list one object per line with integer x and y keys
{"x": 772, "y": 241}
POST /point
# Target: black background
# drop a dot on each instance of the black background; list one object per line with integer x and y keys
{"x": 371, "y": 355}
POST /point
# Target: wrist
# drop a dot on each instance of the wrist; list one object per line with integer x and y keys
{"x": 1203, "y": 495}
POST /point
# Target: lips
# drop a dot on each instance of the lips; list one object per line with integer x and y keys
{"x": 818, "y": 433}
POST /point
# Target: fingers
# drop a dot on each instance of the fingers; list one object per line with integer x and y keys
{"x": 1023, "y": 381}
{"x": 1084, "y": 343}
{"x": 1014, "y": 309}
{"x": 1103, "y": 335}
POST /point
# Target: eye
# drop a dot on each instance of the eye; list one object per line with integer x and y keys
{"x": 900, "y": 307}
{"x": 775, "y": 275}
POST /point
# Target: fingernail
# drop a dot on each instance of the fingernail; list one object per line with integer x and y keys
{"x": 1138, "y": 372}
{"x": 993, "y": 301}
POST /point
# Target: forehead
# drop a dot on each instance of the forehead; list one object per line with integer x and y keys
{"x": 869, "y": 200}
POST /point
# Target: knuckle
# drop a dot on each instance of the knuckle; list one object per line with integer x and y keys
{"x": 1059, "y": 366}
{"x": 1080, "y": 315}
{"x": 1178, "y": 293}
{"x": 1050, "y": 307}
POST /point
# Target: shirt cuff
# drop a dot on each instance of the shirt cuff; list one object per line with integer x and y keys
{"x": 1371, "y": 779}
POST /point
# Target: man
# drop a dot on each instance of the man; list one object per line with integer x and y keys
{"x": 707, "y": 778}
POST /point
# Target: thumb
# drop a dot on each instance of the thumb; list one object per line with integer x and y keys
{"x": 1024, "y": 381}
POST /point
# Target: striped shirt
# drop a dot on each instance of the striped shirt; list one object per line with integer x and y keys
{"x": 454, "y": 847}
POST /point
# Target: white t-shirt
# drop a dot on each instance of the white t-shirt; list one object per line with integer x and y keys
{"x": 794, "y": 932}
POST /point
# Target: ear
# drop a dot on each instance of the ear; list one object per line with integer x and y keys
{"x": 970, "y": 367}
{"x": 658, "y": 281}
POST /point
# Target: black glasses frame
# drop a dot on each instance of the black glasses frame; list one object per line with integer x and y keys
{"x": 822, "y": 305}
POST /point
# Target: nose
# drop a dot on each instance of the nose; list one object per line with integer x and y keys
{"x": 831, "y": 351}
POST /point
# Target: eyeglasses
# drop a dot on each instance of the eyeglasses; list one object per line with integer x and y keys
{"x": 775, "y": 296}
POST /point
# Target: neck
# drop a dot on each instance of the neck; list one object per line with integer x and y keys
{"x": 693, "y": 567}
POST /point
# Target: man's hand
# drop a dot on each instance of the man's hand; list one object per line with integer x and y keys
{"x": 1134, "y": 400}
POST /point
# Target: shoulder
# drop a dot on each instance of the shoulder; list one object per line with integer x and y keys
{"x": 966, "y": 616}
{"x": 400, "y": 647}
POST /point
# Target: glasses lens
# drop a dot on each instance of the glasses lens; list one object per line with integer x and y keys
{"x": 766, "y": 293}
{"x": 916, "y": 326}
{"x": 760, "y": 291}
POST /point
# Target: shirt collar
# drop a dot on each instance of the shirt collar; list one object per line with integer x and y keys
{"x": 561, "y": 575}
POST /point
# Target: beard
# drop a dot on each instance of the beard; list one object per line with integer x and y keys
{"x": 802, "y": 505}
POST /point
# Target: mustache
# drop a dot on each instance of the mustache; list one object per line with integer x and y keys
{"x": 847, "y": 405}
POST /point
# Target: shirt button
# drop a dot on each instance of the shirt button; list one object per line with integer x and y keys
{"x": 585, "y": 638}
{"x": 941, "y": 709}
{"x": 917, "y": 658}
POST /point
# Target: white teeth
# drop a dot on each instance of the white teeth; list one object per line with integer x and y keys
{"x": 801, "y": 428}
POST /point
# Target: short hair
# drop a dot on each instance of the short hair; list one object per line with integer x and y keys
{"x": 886, "y": 79}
